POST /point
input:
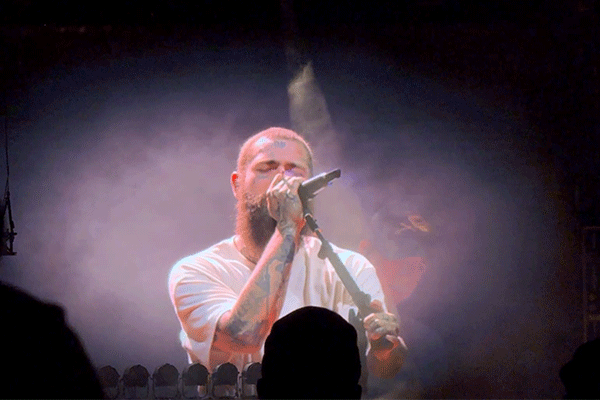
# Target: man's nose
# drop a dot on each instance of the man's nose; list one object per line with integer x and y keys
{"x": 284, "y": 171}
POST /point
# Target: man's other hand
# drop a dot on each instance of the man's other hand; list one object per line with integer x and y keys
{"x": 382, "y": 330}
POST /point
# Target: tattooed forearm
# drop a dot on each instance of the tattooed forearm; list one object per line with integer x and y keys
{"x": 288, "y": 242}
{"x": 261, "y": 300}
{"x": 239, "y": 326}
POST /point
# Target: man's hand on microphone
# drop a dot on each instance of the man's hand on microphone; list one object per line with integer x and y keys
{"x": 380, "y": 325}
{"x": 283, "y": 202}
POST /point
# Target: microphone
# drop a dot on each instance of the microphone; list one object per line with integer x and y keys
{"x": 309, "y": 188}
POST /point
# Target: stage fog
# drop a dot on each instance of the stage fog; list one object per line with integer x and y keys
{"x": 120, "y": 167}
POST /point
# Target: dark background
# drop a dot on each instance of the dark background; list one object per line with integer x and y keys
{"x": 482, "y": 116}
{"x": 539, "y": 60}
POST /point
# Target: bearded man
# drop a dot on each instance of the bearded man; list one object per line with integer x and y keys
{"x": 228, "y": 296}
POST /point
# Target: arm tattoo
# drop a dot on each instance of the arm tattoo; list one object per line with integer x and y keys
{"x": 263, "y": 282}
{"x": 288, "y": 242}
{"x": 261, "y": 301}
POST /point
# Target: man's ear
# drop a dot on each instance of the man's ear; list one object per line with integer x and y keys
{"x": 235, "y": 183}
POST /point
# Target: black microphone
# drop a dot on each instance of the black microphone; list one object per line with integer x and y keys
{"x": 309, "y": 188}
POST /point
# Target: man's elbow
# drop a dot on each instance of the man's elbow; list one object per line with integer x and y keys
{"x": 231, "y": 339}
{"x": 248, "y": 344}
{"x": 246, "y": 347}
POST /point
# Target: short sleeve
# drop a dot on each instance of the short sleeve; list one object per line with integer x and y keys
{"x": 201, "y": 291}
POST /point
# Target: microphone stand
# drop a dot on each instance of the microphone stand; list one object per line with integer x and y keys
{"x": 360, "y": 298}
{"x": 307, "y": 191}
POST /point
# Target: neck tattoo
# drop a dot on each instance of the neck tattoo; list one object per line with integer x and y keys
{"x": 244, "y": 251}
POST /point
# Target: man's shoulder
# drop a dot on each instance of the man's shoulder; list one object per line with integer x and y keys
{"x": 219, "y": 253}
{"x": 223, "y": 248}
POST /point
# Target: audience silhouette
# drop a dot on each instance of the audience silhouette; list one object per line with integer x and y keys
{"x": 42, "y": 356}
{"x": 311, "y": 353}
{"x": 581, "y": 375}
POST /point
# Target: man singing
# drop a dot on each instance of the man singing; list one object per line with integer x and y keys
{"x": 228, "y": 296}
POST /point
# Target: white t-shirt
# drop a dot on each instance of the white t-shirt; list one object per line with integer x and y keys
{"x": 205, "y": 285}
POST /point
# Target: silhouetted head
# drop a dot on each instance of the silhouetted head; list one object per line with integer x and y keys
{"x": 311, "y": 353}
{"x": 581, "y": 375}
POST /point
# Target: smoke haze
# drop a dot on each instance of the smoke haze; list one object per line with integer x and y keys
{"x": 119, "y": 172}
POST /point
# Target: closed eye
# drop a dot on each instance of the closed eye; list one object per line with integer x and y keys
{"x": 294, "y": 171}
{"x": 290, "y": 169}
{"x": 267, "y": 166}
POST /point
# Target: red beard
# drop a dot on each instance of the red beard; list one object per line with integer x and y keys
{"x": 256, "y": 223}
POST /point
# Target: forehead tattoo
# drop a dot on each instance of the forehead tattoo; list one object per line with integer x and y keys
{"x": 276, "y": 143}
{"x": 261, "y": 141}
